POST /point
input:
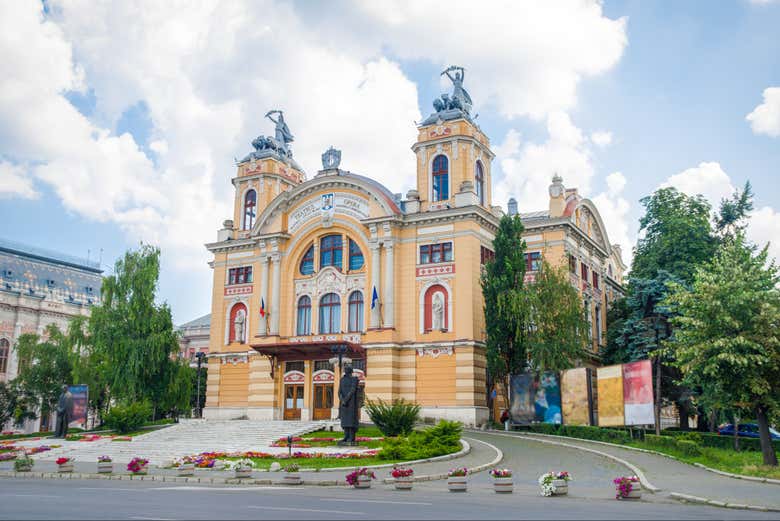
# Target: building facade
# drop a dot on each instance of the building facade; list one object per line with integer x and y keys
{"x": 38, "y": 288}
{"x": 310, "y": 268}
{"x": 194, "y": 338}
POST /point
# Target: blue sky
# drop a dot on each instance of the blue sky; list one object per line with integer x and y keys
{"x": 120, "y": 124}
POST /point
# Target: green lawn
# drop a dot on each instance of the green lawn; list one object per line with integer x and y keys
{"x": 368, "y": 432}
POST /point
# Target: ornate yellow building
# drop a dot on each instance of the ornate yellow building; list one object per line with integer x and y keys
{"x": 308, "y": 269}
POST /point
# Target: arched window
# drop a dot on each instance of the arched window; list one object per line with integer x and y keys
{"x": 441, "y": 178}
{"x": 239, "y": 324}
{"x": 5, "y": 351}
{"x": 304, "y": 316}
{"x": 355, "y": 256}
{"x": 479, "y": 182}
{"x": 331, "y": 251}
{"x": 307, "y": 263}
{"x": 250, "y": 209}
{"x": 436, "y": 308}
{"x": 330, "y": 314}
{"x": 355, "y": 311}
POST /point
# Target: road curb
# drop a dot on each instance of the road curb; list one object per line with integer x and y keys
{"x": 633, "y": 468}
{"x": 686, "y": 498}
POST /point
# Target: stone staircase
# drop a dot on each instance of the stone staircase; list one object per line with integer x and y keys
{"x": 189, "y": 437}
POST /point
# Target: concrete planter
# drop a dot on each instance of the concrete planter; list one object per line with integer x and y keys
{"x": 105, "y": 467}
{"x": 560, "y": 487}
{"x": 24, "y": 468}
{"x": 65, "y": 467}
{"x": 404, "y": 483}
{"x": 363, "y": 482}
{"x": 186, "y": 469}
{"x": 636, "y": 491}
{"x": 291, "y": 478}
{"x": 503, "y": 485}
{"x": 243, "y": 472}
{"x": 143, "y": 471}
{"x": 457, "y": 483}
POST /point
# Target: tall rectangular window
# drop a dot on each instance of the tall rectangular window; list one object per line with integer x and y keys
{"x": 595, "y": 280}
{"x": 584, "y": 272}
{"x": 331, "y": 251}
{"x": 533, "y": 261}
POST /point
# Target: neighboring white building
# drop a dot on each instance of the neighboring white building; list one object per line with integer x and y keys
{"x": 37, "y": 288}
{"x": 194, "y": 338}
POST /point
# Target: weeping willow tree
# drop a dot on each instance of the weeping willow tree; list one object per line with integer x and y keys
{"x": 507, "y": 306}
{"x": 134, "y": 336}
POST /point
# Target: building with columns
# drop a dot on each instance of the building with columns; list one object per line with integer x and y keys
{"x": 40, "y": 287}
{"x": 336, "y": 263}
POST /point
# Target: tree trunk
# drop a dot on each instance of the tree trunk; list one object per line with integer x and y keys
{"x": 736, "y": 433}
{"x": 682, "y": 411}
{"x": 713, "y": 421}
{"x": 658, "y": 395}
{"x": 767, "y": 448}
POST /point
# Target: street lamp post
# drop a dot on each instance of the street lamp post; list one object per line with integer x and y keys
{"x": 200, "y": 356}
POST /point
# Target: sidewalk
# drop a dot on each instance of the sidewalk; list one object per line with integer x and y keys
{"x": 672, "y": 476}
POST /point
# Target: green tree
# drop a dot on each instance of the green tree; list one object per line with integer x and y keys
{"x": 45, "y": 366}
{"x": 90, "y": 367}
{"x": 734, "y": 212}
{"x": 15, "y": 406}
{"x": 617, "y": 314}
{"x": 726, "y": 327}
{"x": 507, "y": 306}
{"x": 134, "y": 336}
{"x": 560, "y": 330}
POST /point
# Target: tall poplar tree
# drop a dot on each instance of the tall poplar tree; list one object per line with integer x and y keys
{"x": 507, "y": 306}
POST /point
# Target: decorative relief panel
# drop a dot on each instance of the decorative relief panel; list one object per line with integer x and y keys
{"x": 330, "y": 280}
{"x": 435, "y": 271}
{"x": 434, "y": 352}
{"x": 234, "y": 359}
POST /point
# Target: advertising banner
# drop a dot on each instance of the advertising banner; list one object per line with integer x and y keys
{"x": 638, "y": 393}
{"x": 521, "y": 398}
{"x": 547, "y": 402}
{"x": 80, "y": 395}
{"x": 574, "y": 390}
{"x": 610, "y": 395}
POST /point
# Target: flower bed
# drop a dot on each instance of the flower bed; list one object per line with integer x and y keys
{"x": 138, "y": 465}
{"x": 361, "y": 478}
{"x": 304, "y": 443}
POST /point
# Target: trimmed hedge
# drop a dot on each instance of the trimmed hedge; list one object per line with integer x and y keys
{"x": 582, "y": 431}
{"x": 721, "y": 442}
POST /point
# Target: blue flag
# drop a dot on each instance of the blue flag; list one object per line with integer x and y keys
{"x": 374, "y": 298}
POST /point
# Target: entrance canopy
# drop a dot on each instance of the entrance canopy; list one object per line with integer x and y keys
{"x": 311, "y": 350}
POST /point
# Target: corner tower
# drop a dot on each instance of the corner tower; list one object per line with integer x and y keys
{"x": 454, "y": 160}
{"x": 262, "y": 176}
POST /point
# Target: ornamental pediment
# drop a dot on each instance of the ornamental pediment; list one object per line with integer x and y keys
{"x": 330, "y": 280}
{"x": 325, "y": 206}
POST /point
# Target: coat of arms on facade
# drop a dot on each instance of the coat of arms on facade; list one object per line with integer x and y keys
{"x": 331, "y": 159}
{"x": 327, "y": 208}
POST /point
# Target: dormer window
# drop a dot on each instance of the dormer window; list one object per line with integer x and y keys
{"x": 8, "y": 274}
{"x": 441, "y": 179}
{"x": 51, "y": 283}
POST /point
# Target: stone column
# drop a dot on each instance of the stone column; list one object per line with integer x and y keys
{"x": 375, "y": 271}
{"x": 276, "y": 293}
{"x": 263, "y": 322}
{"x": 344, "y": 254}
{"x": 388, "y": 301}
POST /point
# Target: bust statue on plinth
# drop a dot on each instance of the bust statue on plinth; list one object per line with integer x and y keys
{"x": 348, "y": 405}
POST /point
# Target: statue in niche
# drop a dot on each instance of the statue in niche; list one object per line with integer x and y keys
{"x": 437, "y": 311}
{"x": 238, "y": 326}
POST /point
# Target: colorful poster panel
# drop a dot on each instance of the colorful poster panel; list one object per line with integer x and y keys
{"x": 547, "y": 402}
{"x": 638, "y": 393}
{"x": 610, "y": 395}
{"x": 80, "y": 395}
{"x": 574, "y": 390}
{"x": 521, "y": 398}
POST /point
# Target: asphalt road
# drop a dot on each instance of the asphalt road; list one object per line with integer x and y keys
{"x": 98, "y": 499}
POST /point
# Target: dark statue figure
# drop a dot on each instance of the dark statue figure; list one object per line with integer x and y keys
{"x": 279, "y": 144}
{"x": 348, "y": 405}
{"x": 64, "y": 413}
{"x": 460, "y": 99}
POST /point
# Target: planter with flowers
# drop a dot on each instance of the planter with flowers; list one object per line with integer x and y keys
{"x": 105, "y": 465}
{"x": 23, "y": 462}
{"x": 64, "y": 464}
{"x": 404, "y": 478}
{"x": 291, "y": 474}
{"x": 502, "y": 480}
{"x": 361, "y": 478}
{"x": 242, "y": 468}
{"x": 457, "y": 480}
{"x": 555, "y": 483}
{"x": 138, "y": 466}
{"x": 627, "y": 487}
{"x": 185, "y": 467}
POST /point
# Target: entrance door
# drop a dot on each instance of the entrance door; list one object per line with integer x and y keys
{"x": 293, "y": 402}
{"x": 323, "y": 401}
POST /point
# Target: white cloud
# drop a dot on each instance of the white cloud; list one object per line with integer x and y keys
{"x": 707, "y": 179}
{"x": 765, "y": 118}
{"x": 14, "y": 182}
{"x": 601, "y": 138}
{"x": 614, "y": 209}
{"x": 527, "y": 58}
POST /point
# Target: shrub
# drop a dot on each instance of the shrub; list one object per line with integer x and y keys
{"x": 664, "y": 442}
{"x": 585, "y": 432}
{"x": 695, "y": 437}
{"x": 393, "y": 419}
{"x": 128, "y": 418}
{"x": 442, "y": 439}
{"x": 689, "y": 448}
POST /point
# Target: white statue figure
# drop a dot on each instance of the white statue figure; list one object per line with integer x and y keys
{"x": 437, "y": 309}
{"x": 238, "y": 326}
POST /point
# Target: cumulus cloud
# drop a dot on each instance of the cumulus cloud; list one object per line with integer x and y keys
{"x": 765, "y": 118}
{"x": 601, "y": 138}
{"x": 709, "y": 180}
{"x": 15, "y": 183}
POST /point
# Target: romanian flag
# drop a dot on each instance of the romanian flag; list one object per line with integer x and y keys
{"x": 262, "y": 307}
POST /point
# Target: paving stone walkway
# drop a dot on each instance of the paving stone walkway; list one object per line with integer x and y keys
{"x": 189, "y": 437}
{"x": 671, "y": 475}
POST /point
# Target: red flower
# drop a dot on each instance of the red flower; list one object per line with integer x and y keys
{"x": 62, "y": 461}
